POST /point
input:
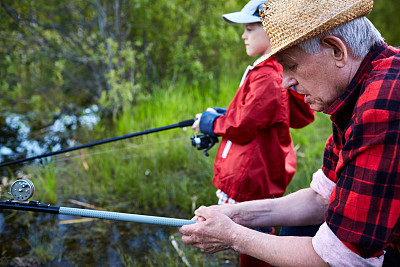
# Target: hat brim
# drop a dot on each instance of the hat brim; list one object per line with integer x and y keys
{"x": 287, "y": 28}
{"x": 240, "y": 17}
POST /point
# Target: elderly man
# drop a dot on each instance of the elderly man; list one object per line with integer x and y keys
{"x": 334, "y": 56}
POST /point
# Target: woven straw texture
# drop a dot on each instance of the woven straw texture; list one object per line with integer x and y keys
{"x": 289, "y": 22}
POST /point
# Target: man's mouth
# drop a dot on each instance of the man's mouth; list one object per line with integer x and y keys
{"x": 307, "y": 98}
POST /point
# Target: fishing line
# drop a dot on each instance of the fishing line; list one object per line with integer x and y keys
{"x": 62, "y": 158}
{"x": 181, "y": 124}
{"x": 104, "y": 151}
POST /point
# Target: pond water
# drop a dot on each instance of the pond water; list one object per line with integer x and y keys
{"x": 60, "y": 240}
{"x": 39, "y": 239}
{"x": 92, "y": 243}
{"x": 16, "y": 142}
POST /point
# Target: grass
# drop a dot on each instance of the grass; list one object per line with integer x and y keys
{"x": 158, "y": 174}
{"x": 309, "y": 143}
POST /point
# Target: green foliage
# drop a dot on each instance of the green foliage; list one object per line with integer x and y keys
{"x": 60, "y": 57}
{"x": 68, "y": 55}
{"x": 309, "y": 143}
{"x": 45, "y": 178}
{"x": 385, "y": 16}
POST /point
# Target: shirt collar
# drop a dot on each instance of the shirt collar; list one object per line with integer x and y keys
{"x": 348, "y": 99}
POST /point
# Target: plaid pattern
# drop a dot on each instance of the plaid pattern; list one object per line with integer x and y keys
{"x": 362, "y": 156}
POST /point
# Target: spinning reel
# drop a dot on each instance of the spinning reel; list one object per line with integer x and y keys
{"x": 205, "y": 142}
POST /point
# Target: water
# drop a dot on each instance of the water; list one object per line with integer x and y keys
{"x": 1, "y": 222}
{"x": 94, "y": 243}
{"x": 47, "y": 240}
{"x": 43, "y": 236}
{"x": 16, "y": 142}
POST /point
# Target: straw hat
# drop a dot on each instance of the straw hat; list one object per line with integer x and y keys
{"x": 289, "y": 22}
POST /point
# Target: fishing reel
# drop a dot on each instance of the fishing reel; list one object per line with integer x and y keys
{"x": 22, "y": 190}
{"x": 205, "y": 142}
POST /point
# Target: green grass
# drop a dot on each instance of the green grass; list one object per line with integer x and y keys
{"x": 309, "y": 143}
{"x": 160, "y": 174}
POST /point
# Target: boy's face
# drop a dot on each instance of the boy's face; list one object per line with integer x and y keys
{"x": 255, "y": 39}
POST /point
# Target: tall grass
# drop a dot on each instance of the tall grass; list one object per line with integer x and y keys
{"x": 161, "y": 173}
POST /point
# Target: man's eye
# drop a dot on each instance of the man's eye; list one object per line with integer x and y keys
{"x": 292, "y": 67}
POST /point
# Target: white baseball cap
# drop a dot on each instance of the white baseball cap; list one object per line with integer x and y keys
{"x": 248, "y": 14}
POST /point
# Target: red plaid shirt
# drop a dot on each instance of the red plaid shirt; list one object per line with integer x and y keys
{"x": 362, "y": 156}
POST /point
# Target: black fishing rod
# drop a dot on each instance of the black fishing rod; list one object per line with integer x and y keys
{"x": 181, "y": 124}
{"x": 23, "y": 189}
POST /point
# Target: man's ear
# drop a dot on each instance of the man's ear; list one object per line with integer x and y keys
{"x": 339, "y": 50}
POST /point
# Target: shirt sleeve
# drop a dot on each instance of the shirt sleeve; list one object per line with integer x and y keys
{"x": 325, "y": 243}
{"x": 336, "y": 254}
{"x": 259, "y": 107}
{"x": 322, "y": 184}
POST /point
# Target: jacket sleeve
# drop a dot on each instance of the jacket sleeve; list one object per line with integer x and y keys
{"x": 257, "y": 107}
{"x": 220, "y": 110}
{"x": 300, "y": 113}
{"x": 206, "y": 123}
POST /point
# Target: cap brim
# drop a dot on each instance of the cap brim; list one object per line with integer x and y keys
{"x": 239, "y": 17}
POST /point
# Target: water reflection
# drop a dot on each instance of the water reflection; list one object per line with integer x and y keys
{"x": 1, "y": 223}
{"x": 15, "y": 141}
{"x": 96, "y": 243}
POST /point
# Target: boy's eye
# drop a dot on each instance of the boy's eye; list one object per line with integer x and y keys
{"x": 292, "y": 67}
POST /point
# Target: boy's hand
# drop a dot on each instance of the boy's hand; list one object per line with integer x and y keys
{"x": 196, "y": 124}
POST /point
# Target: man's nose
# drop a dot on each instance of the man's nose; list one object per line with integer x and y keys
{"x": 288, "y": 81}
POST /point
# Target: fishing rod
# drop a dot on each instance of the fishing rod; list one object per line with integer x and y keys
{"x": 176, "y": 125}
{"x": 22, "y": 190}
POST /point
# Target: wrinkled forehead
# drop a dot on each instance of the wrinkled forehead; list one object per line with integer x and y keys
{"x": 292, "y": 53}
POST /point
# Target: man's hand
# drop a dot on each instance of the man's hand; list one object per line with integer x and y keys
{"x": 213, "y": 232}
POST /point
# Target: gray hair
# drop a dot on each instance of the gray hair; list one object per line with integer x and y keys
{"x": 359, "y": 35}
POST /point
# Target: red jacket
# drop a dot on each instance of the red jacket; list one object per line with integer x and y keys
{"x": 260, "y": 160}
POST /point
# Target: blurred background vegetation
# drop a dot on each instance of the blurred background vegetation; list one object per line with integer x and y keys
{"x": 60, "y": 57}
{"x": 142, "y": 64}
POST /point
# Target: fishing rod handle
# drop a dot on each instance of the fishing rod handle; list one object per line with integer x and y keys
{"x": 124, "y": 217}
{"x": 186, "y": 123}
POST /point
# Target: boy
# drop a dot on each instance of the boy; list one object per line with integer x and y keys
{"x": 256, "y": 158}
